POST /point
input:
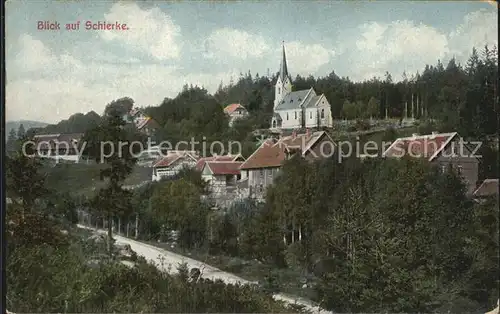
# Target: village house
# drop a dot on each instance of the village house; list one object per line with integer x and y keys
{"x": 234, "y": 112}
{"x": 221, "y": 176}
{"x": 58, "y": 146}
{"x": 443, "y": 150}
{"x": 487, "y": 189}
{"x": 143, "y": 122}
{"x": 262, "y": 167}
{"x": 201, "y": 162}
{"x": 172, "y": 163}
{"x": 298, "y": 109}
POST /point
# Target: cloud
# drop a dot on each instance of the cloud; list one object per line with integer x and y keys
{"x": 406, "y": 46}
{"x": 396, "y": 46}
{"x": 70, "y": 85}
{"x": 151, "y": 31}
{"x": 234, "y": 43}
{"x": 306, "y": 59}
{"x": 478, "y": 29}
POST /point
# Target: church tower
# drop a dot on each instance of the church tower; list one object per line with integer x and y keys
{"x": 284, "y": 83}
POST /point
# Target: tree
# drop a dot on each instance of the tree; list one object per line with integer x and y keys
{"x": 349, "y": 110}
{"x": 25, "y": 182}
{"x": 110, "y": 143}
{"x": 373, "y": 109}
{"x": 176, "y": 205}
{"x": 21, "y": 132}
{"x": 11, "y": 144}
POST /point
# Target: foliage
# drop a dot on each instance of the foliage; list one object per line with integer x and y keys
{"x": 177, "y": 205}
{"x": 389, "y": 249}
{"x": 110, "y": 143}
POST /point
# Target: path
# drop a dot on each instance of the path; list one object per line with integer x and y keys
{"x": 168, "y": 261}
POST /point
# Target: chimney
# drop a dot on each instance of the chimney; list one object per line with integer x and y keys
{"x": 294, "y": 134}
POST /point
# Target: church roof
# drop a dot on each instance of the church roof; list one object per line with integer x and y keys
{"x": 298, "y": 99}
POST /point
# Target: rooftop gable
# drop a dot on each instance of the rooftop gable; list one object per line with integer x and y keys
{"x": 489, "y": 187}
{"x": 173, "y": 157}
{"x": 421, "y": 146}
{"x": 295, "y": 100}
{"x": 272, "y": 153}
{"x": 224, "y": 167}
{"x": 233, "y": 107}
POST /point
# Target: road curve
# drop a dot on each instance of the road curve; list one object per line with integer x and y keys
{"x": 168, "y": 261}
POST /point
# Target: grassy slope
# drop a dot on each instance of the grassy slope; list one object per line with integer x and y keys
{"x": 84, "y": 178}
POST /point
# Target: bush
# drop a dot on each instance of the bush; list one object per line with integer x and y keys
{"x": 362, "y": 125}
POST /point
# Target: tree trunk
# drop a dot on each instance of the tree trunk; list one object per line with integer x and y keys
{"x": 119, "y": 225}
{"x": 128, "y": 227}
{"x": 136, "y": 226}
{"x": 110, "y": 235}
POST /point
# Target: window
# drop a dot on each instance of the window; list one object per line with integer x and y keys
{"x": 287, "y": 115}
{"x": 274, "y": 123}
{"x": 322, "y": 113}
{"x": 262, "y": 173}
{"x": 459, "y": 170}
{"x": 295, "y": 115}
{"x": 310, "y": 114}
{"x": 279, "y": 90}
{"x": 443, "y": 168}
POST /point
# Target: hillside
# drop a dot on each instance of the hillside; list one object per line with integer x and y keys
{"x": 83, "y": 178}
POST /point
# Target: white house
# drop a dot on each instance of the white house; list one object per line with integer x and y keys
{"x": 59, "y": 146}
{"x": 235, "y": 111}
{"x": 172, "y": 163}
{"x": 298, "y": 109}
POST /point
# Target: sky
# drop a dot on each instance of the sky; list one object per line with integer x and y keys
{"x": 52, "y": 74}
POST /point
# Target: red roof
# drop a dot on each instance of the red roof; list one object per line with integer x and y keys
{"x": 489, "y": 187}
{"x": 201, "y": 162}
{"x": 232, "y": 107}
{"x": 272, "y": 152}
{"x": 224, "y": 167}
{"x": 421, "y": 146}
{"x": 168, "y": 160}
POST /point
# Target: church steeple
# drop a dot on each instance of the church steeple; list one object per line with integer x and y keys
{"x": 283, "y": 68}
{"x": 283, "y": 83}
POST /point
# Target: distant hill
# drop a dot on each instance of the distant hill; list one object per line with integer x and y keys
{"x": 9, "y": 125}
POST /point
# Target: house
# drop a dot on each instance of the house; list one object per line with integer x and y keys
{"x": 58, "y": 146}
{"x": 442, "y": 149}
{"x": 487, "y": 189}
{"x": 221, "y": 176}
{"x": 201, "y": 162}
{"x": 235, "y": 111}
{"x": 262, "y": 167}
{"x": 172, "y": 163}
{"x": 298, "y": 109}
{"x": 143, "y": 122}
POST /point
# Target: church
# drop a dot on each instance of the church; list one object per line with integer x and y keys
{"x": 298, "y": 109}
